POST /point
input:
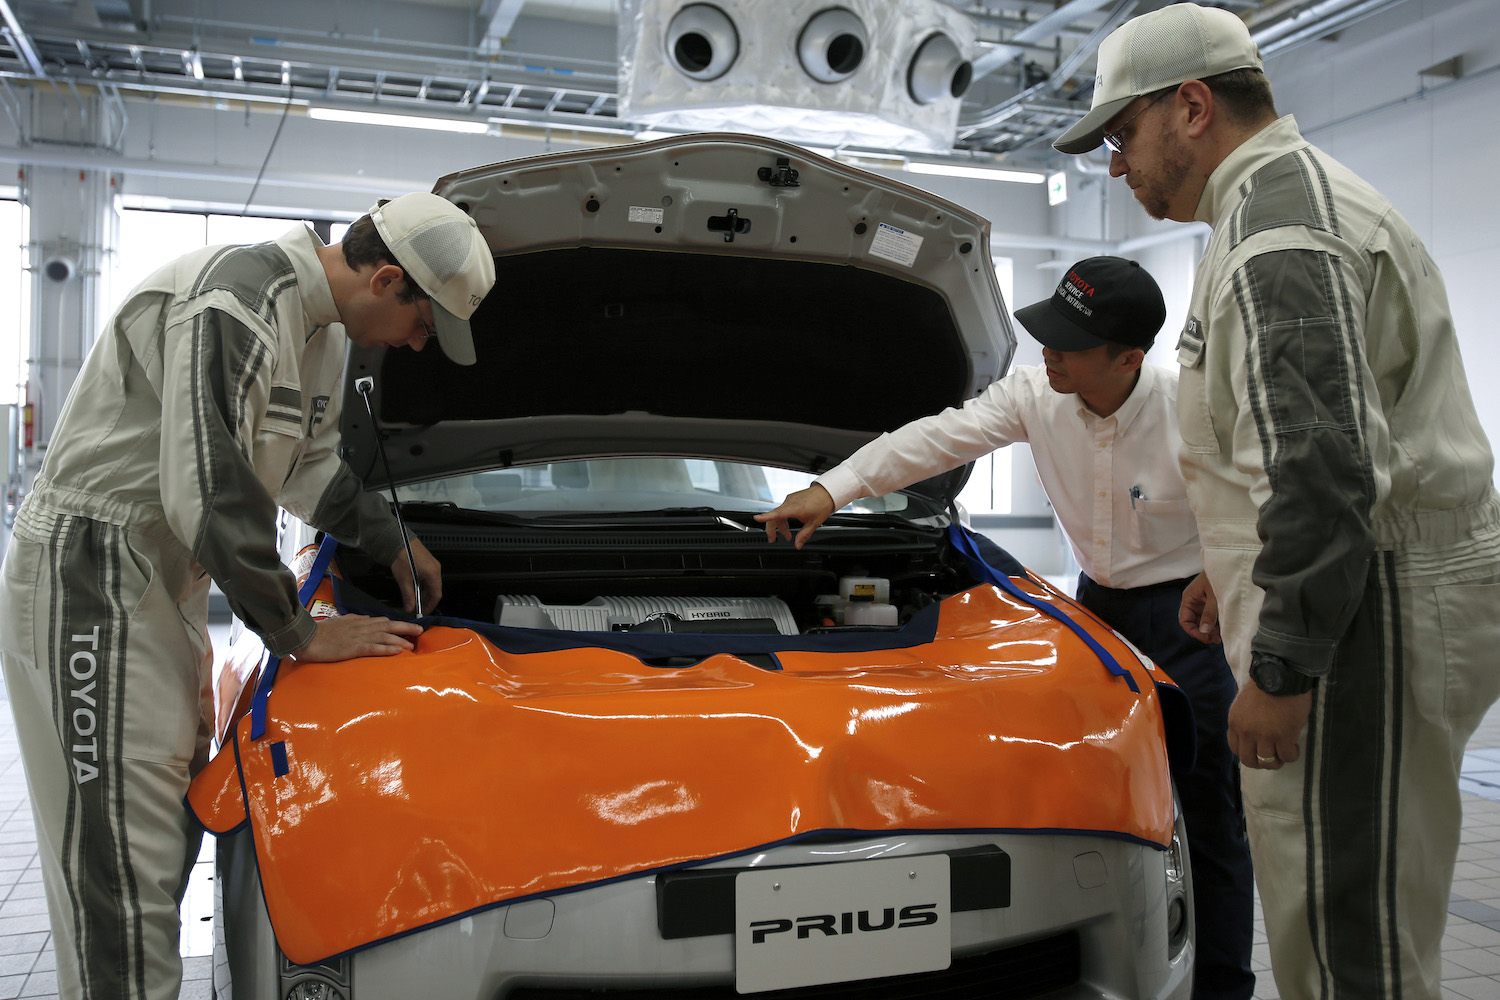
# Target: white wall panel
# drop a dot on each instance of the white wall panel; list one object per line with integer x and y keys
{"x": 1471, "y": 288}
{"x": 1306, "y": 85}
{"x": 1381, "y": 67}
{"x": 1430, "y": 148}
{"x": 1172, "y": 265}
{"x": 1402, "y": 169}
{"x": 1465, "y": 234}
{"x": 1465, "y": 192}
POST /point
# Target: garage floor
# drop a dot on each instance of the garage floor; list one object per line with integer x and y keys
{"x": 1471, "y": 953}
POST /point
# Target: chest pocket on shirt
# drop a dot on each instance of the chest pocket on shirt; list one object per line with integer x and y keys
{"x": 279, "y": 440}
{"x": 1194, "y": 421}
{"x": 1161, "y": 526}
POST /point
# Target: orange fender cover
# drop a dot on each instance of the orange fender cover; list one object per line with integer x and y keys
{"x": 241, "y": 670}
{"x": 392, "y": 793}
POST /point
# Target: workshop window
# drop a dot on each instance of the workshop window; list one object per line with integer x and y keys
{"x": 15, "y": 314}
{"x": 150, "y": 238}
{"x": 988, "y": 490}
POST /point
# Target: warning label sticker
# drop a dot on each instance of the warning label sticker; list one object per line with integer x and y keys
{"x": 896, "y": 245}
{"x": 650, "y": 216}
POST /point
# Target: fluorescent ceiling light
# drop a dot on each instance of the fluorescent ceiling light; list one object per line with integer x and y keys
{"x": 871, "y": 161}
{"x": 649, "y": 135}
{"x": 896, "y": 159}
{"x": 562, "y": 126}
{"x": 397, "y": 121}
{"x": 983, "y": 173}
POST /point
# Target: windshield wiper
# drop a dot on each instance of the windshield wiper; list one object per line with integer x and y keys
{"x": 678, "y": 515}
{"x": 665, "y": 517}
{"x": 735, "y": 519}
{"x": 448, "y": 511}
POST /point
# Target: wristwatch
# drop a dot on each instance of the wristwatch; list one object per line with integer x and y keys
{"x": 1275, "y": 676}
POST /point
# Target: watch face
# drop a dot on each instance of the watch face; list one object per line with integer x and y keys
{"x": 1273, "y": 678}
{"x": 1272, "y": 675}
{"x": 1266, "y": 673}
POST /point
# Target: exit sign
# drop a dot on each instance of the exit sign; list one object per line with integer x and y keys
{"x": 1057, "y": 188}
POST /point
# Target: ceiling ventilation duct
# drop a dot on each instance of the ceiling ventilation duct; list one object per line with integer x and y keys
{"x": 832, "y": 45}
{"x": 880, "y": 73}
{"x": 938, "y": 71}
{"x": 702, "y": 42}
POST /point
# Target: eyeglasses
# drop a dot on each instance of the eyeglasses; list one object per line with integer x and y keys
{"x": 1115, "y": 140}
{"x": 427, "y": 332}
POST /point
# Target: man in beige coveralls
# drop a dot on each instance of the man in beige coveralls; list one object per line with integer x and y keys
{"x": 211, "y": 397}
{"x": 1344, "y": 494}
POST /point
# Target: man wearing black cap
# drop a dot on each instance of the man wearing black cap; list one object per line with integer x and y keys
{"x": 1102, "y": 426}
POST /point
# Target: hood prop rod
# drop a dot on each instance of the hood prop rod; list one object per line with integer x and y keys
{"x": 363, "y": 385}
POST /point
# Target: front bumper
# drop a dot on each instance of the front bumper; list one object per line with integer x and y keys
{"x": 1086, "y": 917}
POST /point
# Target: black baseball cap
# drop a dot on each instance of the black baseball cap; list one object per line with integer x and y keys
{"x": 1100, "y": 300}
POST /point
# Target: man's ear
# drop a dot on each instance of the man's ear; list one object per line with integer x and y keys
{"x": 1132, "y": 359}
{"x": 1199, "y": 101}
{"x": 385, "y": 279}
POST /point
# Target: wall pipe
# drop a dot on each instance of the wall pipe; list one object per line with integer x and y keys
{"x": 83, "y": 159}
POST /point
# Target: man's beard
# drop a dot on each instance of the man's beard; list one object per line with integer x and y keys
{"x": 1155, "y": 197}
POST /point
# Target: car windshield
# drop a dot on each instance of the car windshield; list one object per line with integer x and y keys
{"x": 645, "y": 483}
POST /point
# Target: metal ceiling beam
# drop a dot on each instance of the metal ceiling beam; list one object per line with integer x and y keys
{"x": 973, "y": 130}
{"x": 1040, "y": 29}
{"x": 19, "y": 40}
{"x": 451, "y": 61}
{"x": 380, "y": 79}
{"x": 503, "y": 19}
{"x": 85, "y": 159}
{"x": 1317, "y": 21}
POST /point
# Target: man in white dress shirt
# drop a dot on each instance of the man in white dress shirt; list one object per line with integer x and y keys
{"x": 1102, "y": 426}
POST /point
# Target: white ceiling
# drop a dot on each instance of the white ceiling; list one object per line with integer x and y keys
{"x": 548, "y": 62}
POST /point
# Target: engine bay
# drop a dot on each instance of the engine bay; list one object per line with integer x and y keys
{"x": 641, "y": 614}
{"x": 675, "y": 578}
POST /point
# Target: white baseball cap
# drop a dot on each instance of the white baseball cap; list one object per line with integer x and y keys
{"x": 440, "y": 247}
{"x": 1155, "y": 51}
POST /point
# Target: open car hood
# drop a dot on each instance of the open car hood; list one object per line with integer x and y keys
{"x": 715, "y": 296}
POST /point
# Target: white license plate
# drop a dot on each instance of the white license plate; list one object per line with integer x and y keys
{"x": 840, "y": 922}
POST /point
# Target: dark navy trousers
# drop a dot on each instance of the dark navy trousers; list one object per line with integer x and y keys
{"x": 1223, "y": 900}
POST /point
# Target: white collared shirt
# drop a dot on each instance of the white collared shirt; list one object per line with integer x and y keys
{"x": 1114, "y": 481}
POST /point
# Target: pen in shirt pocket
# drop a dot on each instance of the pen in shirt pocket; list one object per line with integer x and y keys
{"x": 1135, "y": 494}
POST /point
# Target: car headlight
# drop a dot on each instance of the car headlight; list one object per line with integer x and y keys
{"x": 1176, "y": 869}
{"x": 331, "y": 980}
{"x": 315, "y": 989}
{"x": 1179, "y": 892}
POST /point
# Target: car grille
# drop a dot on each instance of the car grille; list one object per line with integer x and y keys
{"x": 1022, "y": 972}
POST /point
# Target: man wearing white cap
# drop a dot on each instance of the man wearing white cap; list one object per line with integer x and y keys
{"x": 211, "y": 398}
{"x": 1344, "y": 495}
